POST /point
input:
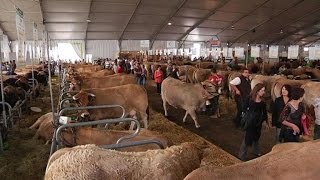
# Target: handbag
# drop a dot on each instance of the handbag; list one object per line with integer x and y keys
{"x": 246, "y": 119}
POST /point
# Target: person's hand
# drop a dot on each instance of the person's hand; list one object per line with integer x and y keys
{"x": 237, "y": 92}
{"x": 303, "y": 116}
{"x": 295, "y": 129}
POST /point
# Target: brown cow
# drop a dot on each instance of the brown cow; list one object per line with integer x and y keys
{"x": 187, "y": 70}
{"x": 278, "y": 84}
{"x": 82, "y": 135}
{"x": 267, "y": 81}
{"x": 132, "y": 97}
{"x": 190, "y": 97}
{"x": 200, "y": 75}
{"x": 92, "y": 162}
{"x": 102, "y": 82}
{"x": 100, "y": 73}
{"x": 315, "y": 72}
{"x": 292, "y": 161}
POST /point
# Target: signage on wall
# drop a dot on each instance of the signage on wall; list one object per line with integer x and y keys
{"x": 144, "y": 43}
{"x": 171, "y": 44}
{"x": 273, "y": 51}
{"x": 255, "y": 51}
{"x": 293, "y": 52}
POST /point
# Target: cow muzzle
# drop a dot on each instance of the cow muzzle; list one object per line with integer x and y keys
{"x": 85, "y": 115}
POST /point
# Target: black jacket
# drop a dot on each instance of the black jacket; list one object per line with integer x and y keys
{"x": 277, "y": 108}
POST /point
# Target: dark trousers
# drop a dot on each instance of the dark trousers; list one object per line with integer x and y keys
{"x": 287, "y": 135}
{"x": 239, "y": 103}
{"x": 158, "y": 88}
{"x": 316, "y": 132}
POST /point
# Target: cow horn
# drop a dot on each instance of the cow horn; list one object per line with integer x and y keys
{"x": 75, "y": 98}
{"x": 92, "y": 95}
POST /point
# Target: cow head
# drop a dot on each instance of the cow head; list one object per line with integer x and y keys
{"x": 84, "y": 99}
{"x": 213, "y": 89}
{"x": 11, "y": 95}
{"x": 75, "y": 85}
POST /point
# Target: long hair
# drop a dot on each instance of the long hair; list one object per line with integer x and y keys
{"x": 255, "y": 91}
{"x": 288, "y": 88}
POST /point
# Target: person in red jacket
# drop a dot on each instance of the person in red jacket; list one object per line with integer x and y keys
{"x": 216, "y": 80}
{"x": 158, "y": 77}
{"x": 120, "y": 68}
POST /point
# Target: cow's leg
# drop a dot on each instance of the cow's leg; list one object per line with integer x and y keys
{"x": 185, "y": 117}
{"x": 194, "y": 117}
{"x": 164, "y": 103}
{"x": 144, "y": 117}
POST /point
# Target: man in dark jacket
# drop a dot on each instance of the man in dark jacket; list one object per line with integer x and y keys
{"x": 175, "y": 72}
{"x": 241, "y": 86}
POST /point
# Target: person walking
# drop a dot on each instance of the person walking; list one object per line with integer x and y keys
{"x": 258, "y": 108}
{"x": 216, "y": 80}
{"x": 241, "y": 87}
{"x": 278, "y": 107}
{"x": 158, "y": 77}
{"x": 291, "y": 117}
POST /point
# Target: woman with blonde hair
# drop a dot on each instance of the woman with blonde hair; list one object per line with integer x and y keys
{"x": 256, "y": 107}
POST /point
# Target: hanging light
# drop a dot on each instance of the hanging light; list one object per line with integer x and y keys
{"x": 169, "y": 23}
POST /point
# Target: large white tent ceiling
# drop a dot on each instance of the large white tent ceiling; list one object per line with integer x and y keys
{"x": 243, "y": 21}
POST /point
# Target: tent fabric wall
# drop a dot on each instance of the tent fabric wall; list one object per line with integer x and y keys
{"x": 132, "y": 45}
{"x": 103, "y": 48}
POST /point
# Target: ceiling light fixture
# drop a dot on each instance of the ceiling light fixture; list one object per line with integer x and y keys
{"x": 232, "y": 27}
{"x": 169, "y": 23}
{"x": 88, "y": 20}
{"x": 281, "y": 31}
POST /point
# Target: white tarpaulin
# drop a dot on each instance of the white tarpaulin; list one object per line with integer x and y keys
{"x": 186, "y": 52}
{"x": 174, "y": 52}
{"x": 312, "y": 53}
{"x": 273, "y": 51}
{"x": 35, "y": 31}
{"x": 171, "y": 44}
{"x": 239, "y": 52}
{"x": 317, "y": 49}
{"x": 144, "y": 43}
{"x": 225, "y": 52}
{"x": 229, "y": 54}
{"x": 293, "y": 52}
{"x": 255, "y": 51}
{"x": 20, "y": 33}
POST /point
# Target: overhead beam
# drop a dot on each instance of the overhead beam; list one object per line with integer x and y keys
{"x": 133, "y": 13}
{"x": 165, "y": 23}
{"x": 212, "y": 12}
{"x": 244, "y": 16}
{"x": 307, "y": 35}
{"x": 295, "y": 31}
{"x": 88, "y": 17}
{"x": 311, "y": 42}
{"x": 1, "y": 28}
{"x": 266, "y": 21}
{"x": 288, "y": 24}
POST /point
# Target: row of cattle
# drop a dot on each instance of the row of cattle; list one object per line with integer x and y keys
{"x": 191, "y": 99}
{"x": 17, "y": 89}
{"x": 182, "y": 162}
{"x": 173, "y": 163}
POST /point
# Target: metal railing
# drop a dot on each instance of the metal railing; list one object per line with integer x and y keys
{"x": 5, "y": 117}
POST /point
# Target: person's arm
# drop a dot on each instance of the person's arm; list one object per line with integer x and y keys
{"x": 283, "y": 119}
{"x": 265, "y": 114}
{"x": 275, "y": 111}
{"x": 236, "y": 81}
